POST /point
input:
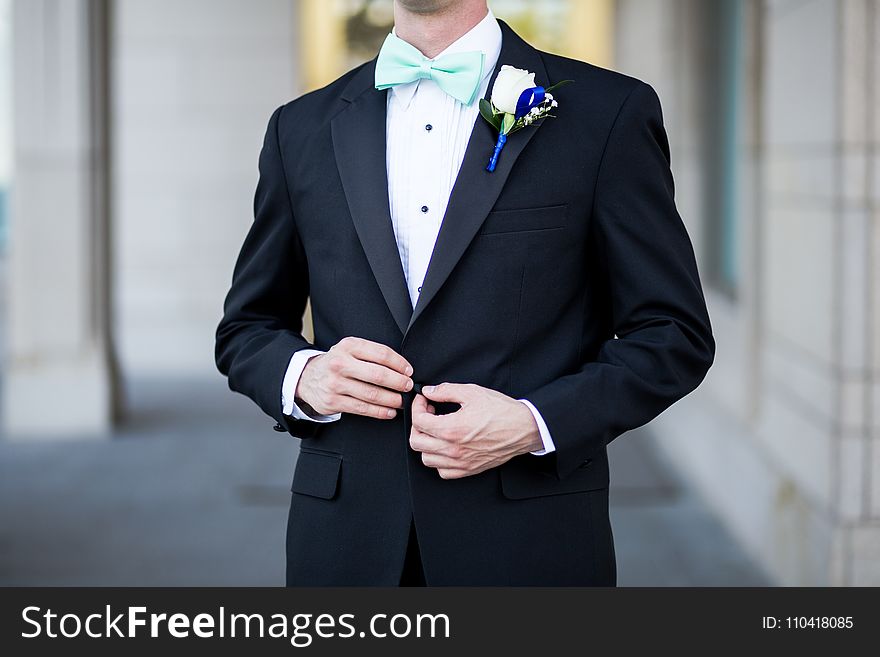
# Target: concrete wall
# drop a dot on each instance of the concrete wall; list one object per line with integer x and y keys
{"x": 193, "y": 86}
{"x": 784, "y": 437}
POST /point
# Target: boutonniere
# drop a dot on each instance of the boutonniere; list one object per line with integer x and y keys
{"x": 516, "y": 102}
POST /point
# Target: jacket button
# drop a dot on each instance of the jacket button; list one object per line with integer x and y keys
{"x": 278, "y": 427}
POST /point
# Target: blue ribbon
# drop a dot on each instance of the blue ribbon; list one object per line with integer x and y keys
{"x": 528, "y": 99}
{"x": 502, "y": 139}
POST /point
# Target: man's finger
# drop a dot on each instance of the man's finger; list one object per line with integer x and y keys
{"x": 371, "y": 394}
{"x": 359, "y": 407}
{"x": 452, "y": 473}
{"x": 422, "y": 442}
{"x": 439, "y": 461}
{"x": 449, "y": 392}
{"x": 373, "y": 352}
{"x": 420, "y": 405}
{"x": 433, "y": 425}
{"x": 377, "y": 375}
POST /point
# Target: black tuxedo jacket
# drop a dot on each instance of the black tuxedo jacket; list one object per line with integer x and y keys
{"x": 565, "y": 277}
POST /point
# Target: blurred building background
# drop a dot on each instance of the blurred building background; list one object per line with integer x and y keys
{"x": 772, "y": 110}
{"x": 129, "y": 134}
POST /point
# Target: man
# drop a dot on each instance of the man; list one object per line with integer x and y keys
{"x": 480, "y": 337}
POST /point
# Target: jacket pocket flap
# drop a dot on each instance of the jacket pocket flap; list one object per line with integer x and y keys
{"x": 524, "y": 219}
{"x": 525, "y": 477}
{"x": 317, "y": 474}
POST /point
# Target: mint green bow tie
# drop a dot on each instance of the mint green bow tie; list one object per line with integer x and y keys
{"x": 458, "y": 74}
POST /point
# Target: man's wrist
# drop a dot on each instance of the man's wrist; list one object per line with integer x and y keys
{"x": 291, "y": 402}
{"x": 534, "y": 444}
{"x": 532, "y": 441}
{"x": 547, "y": 445}
{"x": 305, "y": 407}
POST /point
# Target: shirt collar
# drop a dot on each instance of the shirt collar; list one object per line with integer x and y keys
{"x": 485, "y": 36}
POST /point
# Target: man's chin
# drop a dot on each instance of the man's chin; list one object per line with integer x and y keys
{"x": 427, "y": 7}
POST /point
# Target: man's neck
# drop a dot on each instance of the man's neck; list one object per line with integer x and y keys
{"x": 432, "y": 33}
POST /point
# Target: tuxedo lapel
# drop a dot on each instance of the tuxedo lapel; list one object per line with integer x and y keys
{"x": 476, "y": 190}
{"x": 359, "y": 145}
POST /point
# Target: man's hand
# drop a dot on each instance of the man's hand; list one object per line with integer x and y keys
{"x": 488, "y": 430}
{"x": 355, "y": 376}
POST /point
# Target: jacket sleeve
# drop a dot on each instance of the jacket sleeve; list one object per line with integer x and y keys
{"x": 663, "y": 345}
{"x": 262, "y": 325}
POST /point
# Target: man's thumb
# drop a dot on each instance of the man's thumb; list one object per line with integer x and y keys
{"x": 445, "y": 392}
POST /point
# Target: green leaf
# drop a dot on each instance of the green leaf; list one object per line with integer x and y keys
{"x": 507, "y": 123}
{"x": 557, "y": 85}
{"x": 488, "y": 113}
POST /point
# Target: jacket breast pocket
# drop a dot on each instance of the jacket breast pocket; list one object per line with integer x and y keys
{"x": 317, "y": 473}
{"x": 525, "y": 220}
{"x": 532, "y": 476}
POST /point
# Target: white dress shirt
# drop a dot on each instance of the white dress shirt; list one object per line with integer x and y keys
{"x": 427, "y": 134}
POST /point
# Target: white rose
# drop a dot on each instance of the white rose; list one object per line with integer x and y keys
{"x": 508, "y": 87}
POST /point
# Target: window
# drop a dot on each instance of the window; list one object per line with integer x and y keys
{"x": 723, "y": 142}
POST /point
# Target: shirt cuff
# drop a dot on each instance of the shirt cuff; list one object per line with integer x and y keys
{"x": 549, "y": 446}
{"x": 288, "y": 388}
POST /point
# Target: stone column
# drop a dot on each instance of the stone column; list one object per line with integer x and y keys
{"x": 820, "y": 290}
{"x": 60, "y": 380}
{"x": 856, "y": 476}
